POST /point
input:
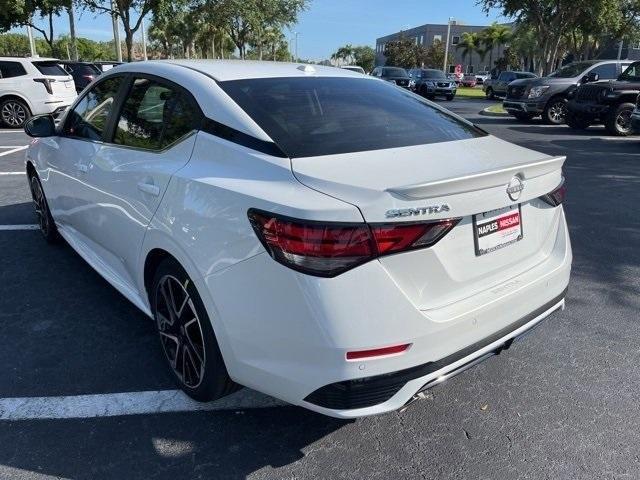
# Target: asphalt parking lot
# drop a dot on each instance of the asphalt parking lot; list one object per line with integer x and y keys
{"x": 84, "y": 392}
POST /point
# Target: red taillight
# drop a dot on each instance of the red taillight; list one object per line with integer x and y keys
{"x": 556, "y": 197}
{"x": 328, "y": 249}
{"x": 377, "y": 352}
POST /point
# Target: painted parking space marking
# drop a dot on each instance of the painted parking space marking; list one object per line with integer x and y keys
{"x": 13, "y": 173}
{"x": 129, "y": 403}
{"x": 13, "y": 150}
{"x": 18, "y": 227}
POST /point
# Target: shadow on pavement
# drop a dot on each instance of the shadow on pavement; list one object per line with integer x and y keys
{"x": 214, "y": 445}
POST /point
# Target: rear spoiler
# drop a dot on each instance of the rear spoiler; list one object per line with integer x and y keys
{"x": 478, "y": 181}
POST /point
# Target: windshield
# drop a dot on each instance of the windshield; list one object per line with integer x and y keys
{"x": 631, "y": 73}
{"x": 572, "y": 70}
{"x": 310, "y": 117}
{"x": 433, "y": 74}
{"x": 394, "y": 72}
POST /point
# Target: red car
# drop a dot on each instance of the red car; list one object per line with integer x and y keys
{"x": 469, "y": 81}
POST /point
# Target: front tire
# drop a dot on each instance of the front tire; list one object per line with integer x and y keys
{"x": 450, "y": 97}
{"x": 14, "y": 113}
{"x": 489, "y": 93}
{"x": 41, "y": 206}
{"x": 186, "y": 335}
{"x": 555, "y": 112}
{"x": 618, "y": 120}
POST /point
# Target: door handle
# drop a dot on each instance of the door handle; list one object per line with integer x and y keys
{"x": 149, "y": 188}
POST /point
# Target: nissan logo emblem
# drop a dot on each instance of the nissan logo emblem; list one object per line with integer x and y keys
{"x": 514, "y": 189}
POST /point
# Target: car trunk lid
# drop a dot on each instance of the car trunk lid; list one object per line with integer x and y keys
{"x": 459, "y": 179}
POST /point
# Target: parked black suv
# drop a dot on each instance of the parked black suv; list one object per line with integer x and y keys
{"x": 83, "y": 73}
{"x": 547, "y": 96}
{"x": 430, "y": 82}
{"x": 396, "y": 75}
{"x": 609, "y": 102}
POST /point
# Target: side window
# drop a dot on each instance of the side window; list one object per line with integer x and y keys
{"x": 606, "y": 71}
{"x": 154, "y": 116}
{"x": 11, "y": 69}
{"x": 503, "y": 76}
{"x": 89, "y": 118}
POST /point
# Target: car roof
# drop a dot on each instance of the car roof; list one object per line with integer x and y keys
{"x": 223, "y": 70}
{"x": 29, "y": 59}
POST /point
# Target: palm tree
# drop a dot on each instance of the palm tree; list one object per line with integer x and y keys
{"x": 494, "y": 35}
{"x": 469, "y": 44}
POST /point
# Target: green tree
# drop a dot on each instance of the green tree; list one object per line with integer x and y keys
{"x": 365, "y": 57}
{"x": 555, "y": 23}
{"x": 434, "y": 56}
{"x": 247, "y": 22}
{"x": 19, "y": 13}
{"x": 125, "y": 10}
{"x": 404, "y": 53}
{"x": 493, "y": 36}
{"x": 470, "y": 43}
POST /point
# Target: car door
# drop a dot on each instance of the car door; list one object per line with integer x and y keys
{"x": 150, "y": 138}
{"x": 503, "y": 80}
{"x": 69, "y": 155}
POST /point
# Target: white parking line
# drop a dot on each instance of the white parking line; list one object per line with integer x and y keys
{"x": 130, "y": 403}
{"x": 13, "y": 173}
{"x": 18, "y": 227}
{"x": 17, "y": 149}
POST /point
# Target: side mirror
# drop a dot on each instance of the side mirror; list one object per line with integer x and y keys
{"x": 592, "y": 77}
{"x": 40, "y": 126}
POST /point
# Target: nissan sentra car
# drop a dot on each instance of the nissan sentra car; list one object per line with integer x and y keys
{"x": 315, "y": 234}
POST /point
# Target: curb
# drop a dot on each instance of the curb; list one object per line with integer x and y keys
{"x": 487, "y": 113}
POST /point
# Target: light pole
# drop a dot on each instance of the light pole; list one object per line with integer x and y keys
{"x": 116, "y": 32}
{"x": 144, "y": 40}
{"x": 32, "y": 44}
{"x": 446, "y": 47}
{"x": 297, "y": 58}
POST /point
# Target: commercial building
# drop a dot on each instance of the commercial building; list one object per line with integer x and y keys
{"x": 427, "y": 34}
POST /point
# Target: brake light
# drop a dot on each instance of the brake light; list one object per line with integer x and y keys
{"x": 556, "y": 197}
{"x": 329, "y": 249}
{"x": 47, "y": 83}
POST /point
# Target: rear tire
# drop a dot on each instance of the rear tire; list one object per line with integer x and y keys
{"x": 555, "y": 112}
{"x": 525, "y": 117}
{"x": 14, "y": 113}
{"x": 45, "y": 220}
{"x": 577, "y": 121}
{"x": 618, "y": 120}
{"x": 186, "y": 335}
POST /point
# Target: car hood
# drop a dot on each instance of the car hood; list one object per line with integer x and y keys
{"x": 534, "y": 82}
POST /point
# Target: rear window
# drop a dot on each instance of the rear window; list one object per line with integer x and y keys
{"x": 50, "y": 68}
{"x": 309, "y": 117}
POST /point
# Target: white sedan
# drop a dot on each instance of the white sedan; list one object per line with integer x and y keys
{"x": 318, "y": 235}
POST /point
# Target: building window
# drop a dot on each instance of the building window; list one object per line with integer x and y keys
{"x": 455, "y": 40}
{"x": 452, "y": 69}
{"x": 421, "y": 39}
{"x": 469, "y": 68}
{"x": 437, "y": 38}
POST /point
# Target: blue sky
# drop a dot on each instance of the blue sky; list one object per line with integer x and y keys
{"x": 329, "y": 24}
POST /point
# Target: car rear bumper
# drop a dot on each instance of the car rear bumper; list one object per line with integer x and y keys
{"x": 290, "y": 339}
{"x": 514, "y": 106}
{"x": 53, "y": 106}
